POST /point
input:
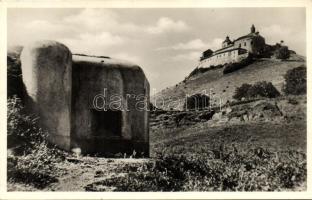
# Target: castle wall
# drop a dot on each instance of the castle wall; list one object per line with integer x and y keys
{"x": 222, "y": 58}
{"x": 245, "y": 44}
{"x": 253, "y": 45}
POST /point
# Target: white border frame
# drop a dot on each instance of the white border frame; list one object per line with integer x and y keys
{"x": 4, "y": 4}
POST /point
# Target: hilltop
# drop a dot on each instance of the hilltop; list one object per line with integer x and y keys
{"x": 224, "y": 85}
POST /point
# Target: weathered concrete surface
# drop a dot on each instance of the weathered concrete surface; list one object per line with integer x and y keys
{"x": 124, "y": 82}
{"x": 64, "y": 91}
{"x": 47, "y": 73}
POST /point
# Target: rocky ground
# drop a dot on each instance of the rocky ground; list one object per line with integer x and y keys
{"x": 277, "y": 124}
{"x": 84, "y": 173}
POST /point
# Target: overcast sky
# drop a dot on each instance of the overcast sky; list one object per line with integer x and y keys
{"x": 166, "y": 43}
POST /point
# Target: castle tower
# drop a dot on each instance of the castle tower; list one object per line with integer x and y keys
{"x": 226, "y": 42}
{"x": 252, "y": 29}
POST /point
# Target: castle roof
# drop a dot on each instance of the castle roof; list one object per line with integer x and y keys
{"x": 233, "y": 49}
{"x": 228, "y": 50}
{"x": 249, "y": 35}
{"x": 231, "y": 45}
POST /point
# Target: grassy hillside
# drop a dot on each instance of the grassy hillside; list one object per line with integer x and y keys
{"x": 223, "y": 86}
{"x": 278, "y": 124}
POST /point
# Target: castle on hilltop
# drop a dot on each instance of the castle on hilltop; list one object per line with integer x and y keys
{"x": 234, "y": 51}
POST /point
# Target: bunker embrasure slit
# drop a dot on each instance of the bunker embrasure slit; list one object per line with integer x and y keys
{"x": 106, "y": 123}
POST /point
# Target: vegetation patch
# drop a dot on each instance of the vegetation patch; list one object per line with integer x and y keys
{"x": 220, "y": 169}
{"x": 282, "y": 52}
{"x": 296, "y": 81}
{"x": 202, "y": 70}
{"x": 31, "y": 159}
{"x": 259, "y": 89}
{"x": 232, "y": 67}
{"x": 197, "y": 102}
{"x": 16, "y": 86}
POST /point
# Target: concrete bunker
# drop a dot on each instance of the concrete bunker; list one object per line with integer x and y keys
{"x": 97, "y": 104}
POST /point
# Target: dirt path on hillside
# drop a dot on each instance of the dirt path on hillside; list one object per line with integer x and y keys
{"x": 75, "y": 174}
{"x": 80, "y": 172}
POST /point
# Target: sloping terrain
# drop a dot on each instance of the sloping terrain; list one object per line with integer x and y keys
{"x": 281, "y": 131}
{"x": 278, "y": 124}
{"x": 218, "y": 85}
{"x": 266, "y": 136}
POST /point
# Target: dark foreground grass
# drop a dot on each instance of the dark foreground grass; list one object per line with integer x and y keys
{"x": 246, "y": 157}
{"x": 260, "y": 156}
{"x": 219, "y": 170}
{"x": 272, "y": 136}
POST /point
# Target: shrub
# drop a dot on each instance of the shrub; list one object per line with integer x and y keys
{"x": 264, "y": 89}
{"x": 197, "y": 71}
{"x": 220, "y": 169}
{"x": 236, "y": 66}
{"x": 32, "y": 160}
{"x": 282, "y": 53}
{"x": 14, "y": 78}
{"x": 296, "y": 81}
{"x": 259, "y": 89}
{"x": 242, "y": 91}
{"x": 197, "y": 101}
{"x": 37, "y": 168}
{"x": 23, "y": 130}
{"x": 202, "y": 70}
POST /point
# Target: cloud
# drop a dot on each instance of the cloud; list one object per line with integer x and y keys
{"x": 190, "y": 56}
{"x": 93, "y": 43}
{"x": 193, "y": 44}
{"x": 44, "y": 25}
{"x": 165, "y": 24}
{"x": 215, "y": 44}
{"x": 103, "y": 39}
{"x": 127, "y": 57}
{"x": 196, "y": 44}
{"x": 92, "y": 19}
{"x": 275, "y": 33}
{"x": 93, "y": 28}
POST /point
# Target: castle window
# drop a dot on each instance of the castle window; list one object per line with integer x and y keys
{"x": 251, "y": 42}
{"x": 244, "y": 43}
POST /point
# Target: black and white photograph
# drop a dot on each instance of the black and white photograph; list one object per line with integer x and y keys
{"x": 156, "y": 99}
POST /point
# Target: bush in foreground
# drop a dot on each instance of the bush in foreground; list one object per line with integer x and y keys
{"x": 197, "y": 102}
{"x": 296, "y": 81}
{"x": 23, "y": 130}
{"x": 259, "y": 89}
{"x": 282, "y": 53}
{"x": 218, "y": 170}
{"x": 31, "y": 160}
{"x": 37, "y": 168}
{"x": 229, "y": 68}
{"x": 14, "y": 77}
